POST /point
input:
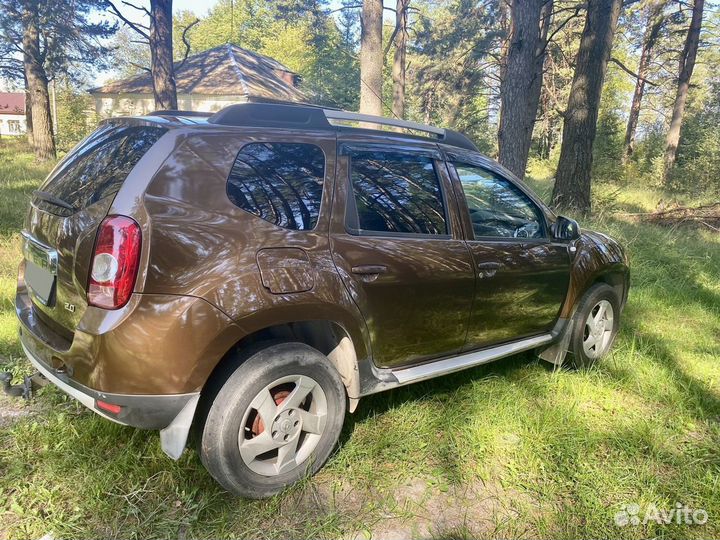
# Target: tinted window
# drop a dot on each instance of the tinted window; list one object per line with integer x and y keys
{"x": 98, "y": 166}
{"x": 396, "y": 194}
{"x": 279, "y": 182}
{"x": 497, "y": 207}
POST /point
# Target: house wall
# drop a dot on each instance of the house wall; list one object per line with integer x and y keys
{"x": 107, "y": 105}
{"x": 12, "y": 124}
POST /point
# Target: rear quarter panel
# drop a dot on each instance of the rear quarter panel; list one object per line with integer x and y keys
{"x": 200, "y": 244}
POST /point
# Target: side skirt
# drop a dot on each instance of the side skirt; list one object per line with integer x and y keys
{"x": 386, "y": 379}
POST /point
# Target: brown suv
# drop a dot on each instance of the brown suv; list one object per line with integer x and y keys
{"x": 254, "y": 273}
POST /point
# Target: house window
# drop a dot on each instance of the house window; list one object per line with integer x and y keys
{"x": 14, "y": 126}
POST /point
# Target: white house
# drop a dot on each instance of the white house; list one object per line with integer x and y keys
{"x": 207, "y": 81}
{"x": 12, "y": 113}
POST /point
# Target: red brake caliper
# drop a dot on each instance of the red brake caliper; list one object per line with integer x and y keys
{"x": 278, "y": 396}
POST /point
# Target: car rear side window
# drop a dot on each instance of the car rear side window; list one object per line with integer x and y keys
{"x": 280, "y": 182}
{"x": 98, "y": 167}
{"x": 395, "y": 194}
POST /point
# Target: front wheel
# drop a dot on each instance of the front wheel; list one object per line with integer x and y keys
{"x": 596, "y": 323}
{"x": 275, "y": 420}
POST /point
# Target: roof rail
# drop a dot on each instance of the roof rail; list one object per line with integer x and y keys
{"x": 177, "y": 112}
{"x": 301, "y": 116}
{"x": 369, "y": 118}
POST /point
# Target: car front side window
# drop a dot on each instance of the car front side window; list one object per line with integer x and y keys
{"x": 498, "y": 209}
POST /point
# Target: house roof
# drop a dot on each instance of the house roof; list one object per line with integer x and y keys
{"x": 12, "y": 103}
{"x": 224, "y": 70}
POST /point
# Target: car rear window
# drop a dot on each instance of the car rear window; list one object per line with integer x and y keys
{"x": 280, "y": 182}
{"x": 98, "y": 167}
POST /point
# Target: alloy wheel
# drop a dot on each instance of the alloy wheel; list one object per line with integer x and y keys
{"x": 283, "y": 425}
{"x": 598, "y": 331}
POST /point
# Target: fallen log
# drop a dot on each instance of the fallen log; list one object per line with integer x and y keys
{"x": 706, "y": 215}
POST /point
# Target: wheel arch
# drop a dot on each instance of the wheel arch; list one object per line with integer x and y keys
{"x": 329, "y": 337}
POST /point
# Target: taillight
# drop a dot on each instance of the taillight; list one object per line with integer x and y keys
{"x": 115, "y": 263}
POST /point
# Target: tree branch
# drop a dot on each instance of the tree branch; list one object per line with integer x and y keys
{"x": 144, "y": 68}
{"x": 186, "y": 42}
{"x": 139, "y": 28}
{"x": 352, "y": 6}
{"x": 630, "y": 72}
{"x": 139, "y": 8}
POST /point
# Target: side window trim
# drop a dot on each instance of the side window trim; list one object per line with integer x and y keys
{"x": 351, "y": 212}
{"x": 456, "y": 159}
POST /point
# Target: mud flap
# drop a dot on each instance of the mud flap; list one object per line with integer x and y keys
{"x": 555, "y": 352}
{"x": 174, "y": 437}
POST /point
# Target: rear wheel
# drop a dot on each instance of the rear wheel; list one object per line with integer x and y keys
{"x": 596, "y": 324}
{"x": 275, "y": 420}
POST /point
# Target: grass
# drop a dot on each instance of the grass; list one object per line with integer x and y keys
{"x": 511, "y": 449}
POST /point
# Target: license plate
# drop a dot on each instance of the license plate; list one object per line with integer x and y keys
{"x": 40, "y": 281}
{"x": 40, "y": 268}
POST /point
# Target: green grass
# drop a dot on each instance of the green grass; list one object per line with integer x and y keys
{"x": 511, "y": 449}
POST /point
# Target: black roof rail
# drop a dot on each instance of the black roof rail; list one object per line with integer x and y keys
{"x": 271, "y": 115}
{"x": 300, "y": 116}
{"x": 177, "y": 112}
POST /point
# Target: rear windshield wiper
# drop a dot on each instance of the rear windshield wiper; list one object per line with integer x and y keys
{"x": 52, "y": 199}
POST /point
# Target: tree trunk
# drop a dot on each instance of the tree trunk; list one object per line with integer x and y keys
{"x": 572, "y": 181}
{"x": 520, "y": 88}
{"x": 37, "y": 85}
{"x": 654, "y": 25}
{"x": 28, "y": 117}
{"x": 398, "y": 67}
{"x": 161, "y": 55}
{"x": 371, "y": 61}
{"x": 687, "y": 64}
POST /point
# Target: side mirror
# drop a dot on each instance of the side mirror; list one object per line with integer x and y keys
{"x": 565, "y": 228}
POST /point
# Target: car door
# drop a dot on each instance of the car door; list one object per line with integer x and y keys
{"x": 397, "y": 242}
{"x": 523, "y": 274}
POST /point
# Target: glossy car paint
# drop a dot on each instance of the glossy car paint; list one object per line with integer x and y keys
{"x": 213, "y": 275}
{"x": 521, "y": 282}
{"x": 417, "y": 308}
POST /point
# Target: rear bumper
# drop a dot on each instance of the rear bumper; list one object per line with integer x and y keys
{"x": 141, "y": 411}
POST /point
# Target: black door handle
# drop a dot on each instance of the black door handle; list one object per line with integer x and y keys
{"x": 488, "y": 269}
{"x": 369, "y": 269}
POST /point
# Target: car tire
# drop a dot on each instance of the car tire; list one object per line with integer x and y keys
{"x": 595, "y": 325}
{"x": 294, "y": 389}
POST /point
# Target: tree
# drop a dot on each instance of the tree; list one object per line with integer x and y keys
{"x": 399, "y": 58}
{"x": 522, "y": 81}
{"x": 50, "y": 38}
{"x": 37, "y": 84}
{"x": 687, "y": 64}
{"x": 655, "y": 20}
{"x": 159, "y": 37}
{"x": 371, "y": 59}
{"x": 572, "y": 181}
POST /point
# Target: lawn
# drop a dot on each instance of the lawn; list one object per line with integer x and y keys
{"x": 511, "y": 449}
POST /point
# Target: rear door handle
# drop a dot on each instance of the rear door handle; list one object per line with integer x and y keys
{"x": 369, "y": 269}
{"x": 488, "y": 269}
{"x": 369, "y": 272}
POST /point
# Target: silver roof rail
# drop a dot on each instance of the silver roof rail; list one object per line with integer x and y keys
{"x": 332, "y": 114}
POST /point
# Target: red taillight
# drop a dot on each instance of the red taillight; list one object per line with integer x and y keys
{"x": 115, "y": 263}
